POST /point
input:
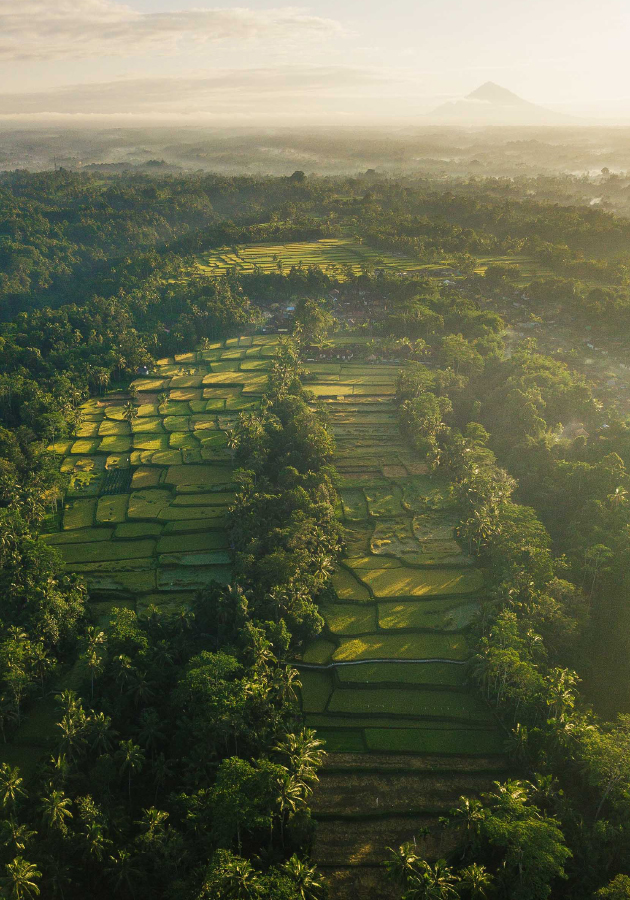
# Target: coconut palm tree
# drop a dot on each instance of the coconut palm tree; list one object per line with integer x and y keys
{"x": 131, "y": 760}
{"x": 475, "y": 880}
{"x": 122, "y": 873}
{"x": 292, "y": 795}
{"x": 101, "y": 733}
{"x": 401, "y": 865}
{"x": 238, "y": 879}
{"x": 55, "y": 809}
{"x": 618, "y": 498}
{"x": 11, "y": 790}
{"x": 308, "y": 883}
{"x": 19, "y": 836}
{"x": 130, "y": 412}
{"x": 432, "y": 882}
{"x": 304, "y": 752}
{"x": 20, "y": 882}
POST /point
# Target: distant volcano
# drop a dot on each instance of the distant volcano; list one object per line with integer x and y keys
{"x": 492, "y": 104}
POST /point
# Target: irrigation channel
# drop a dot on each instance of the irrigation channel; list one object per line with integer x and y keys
{"x": 385, "y": 684}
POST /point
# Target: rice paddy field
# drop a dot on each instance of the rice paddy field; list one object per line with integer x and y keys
{"x": 337, "y": 257}
{"x": 144, "y": 515}
{"x": 385, "y": 684}
{"x": 333, "y": 255}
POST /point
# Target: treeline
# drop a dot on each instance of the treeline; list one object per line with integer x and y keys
{"x": 579, "y": 240}
{"x": 283, "y": 525}
{"x": 65, "y": 237}
{"x": 61, "y": 232}
{"x": 564, "y": 828}
{"x": 570, "y": 459}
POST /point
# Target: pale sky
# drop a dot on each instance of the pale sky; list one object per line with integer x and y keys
{"x": 345, "y": 61}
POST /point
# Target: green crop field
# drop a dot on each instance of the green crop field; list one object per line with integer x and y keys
{"x": 444, "y": 674}
{"x": 144, "y": 515}
{"x": 394, "y": 647}
{"x": 347, "y": 618}
{"x": 414, "y": 740}
{"x": 437, "y": 614}
{"x": 413, "y": 703}
{"x": 402, "y": 646}
{"x": 334, "y": 255}
{"x": 315, "y": 691}
{"x": 406, "y": 582}
{"x": 347, "y": 587}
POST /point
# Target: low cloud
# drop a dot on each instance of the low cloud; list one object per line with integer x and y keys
{"x": 222, "y": 92}
{"x": 81, "y": 29}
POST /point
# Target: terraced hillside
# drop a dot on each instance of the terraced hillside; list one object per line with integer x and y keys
{"x": 330, "y": 254}
{"x": 385, "y": 684}
{"x": 144, "y": 516}
{"x": 338, "y": 256}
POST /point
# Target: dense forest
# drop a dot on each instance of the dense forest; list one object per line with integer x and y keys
{"x": 182, "y": 767}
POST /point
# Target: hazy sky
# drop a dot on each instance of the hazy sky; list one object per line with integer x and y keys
{"x": 342, "y": 61}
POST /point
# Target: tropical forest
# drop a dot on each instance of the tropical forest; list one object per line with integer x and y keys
{"x": 314, "y": 536}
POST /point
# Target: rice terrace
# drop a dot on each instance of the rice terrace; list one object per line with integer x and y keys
{"x": 385, "y": 684}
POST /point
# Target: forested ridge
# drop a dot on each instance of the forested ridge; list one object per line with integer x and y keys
{"x": 181, "y": 766}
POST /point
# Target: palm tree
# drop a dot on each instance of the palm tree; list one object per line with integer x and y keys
{"x": 11, "y": 790}
{"x": 304, "y": 752}
{"x": 618, "y": 498}
{"x": 401, "y": 866}
{"x": 94, "y": 662}
{"x": 122, "y": 872}
{"x": 239, "y": 879}
{"x": 161, "y": 772}
{"x": 432, "y": 882}
{"x": 150, "y": 733}
{"x": 292, "y": 795}
{"x": 307, "y": 882}
{"x": 20, "y": 882}
{"x": 130, "y": 412}
{"x": 72, "y": 727}
{"x": 8, "y": 715}
{"x": 475, "y": 879}
{"x": 55, "y": 810}
{"x": 512, "y": 793}
{"x": 517, "y": 743}
{"x": 41, "y": 662}
{"x": 468, "y": 816}
{"x": 131, "y": 760}
{"x": 140, "y": 688}
{"x": 100, "y": 377}
{"x": 19, "y": 835}
{"x": 102, "y": 735}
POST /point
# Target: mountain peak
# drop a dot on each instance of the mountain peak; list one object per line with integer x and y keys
{"x": 492, "y": 104}
{"x": 494, "y": 93}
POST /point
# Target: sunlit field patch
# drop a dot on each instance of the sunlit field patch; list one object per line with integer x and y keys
{"x": 402, "y": 646}
{"x": 406, "y": 582}
{"x": 347, "y": 619}
{"x": 440, "y": 615}
{"x": 347, "y": 587}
